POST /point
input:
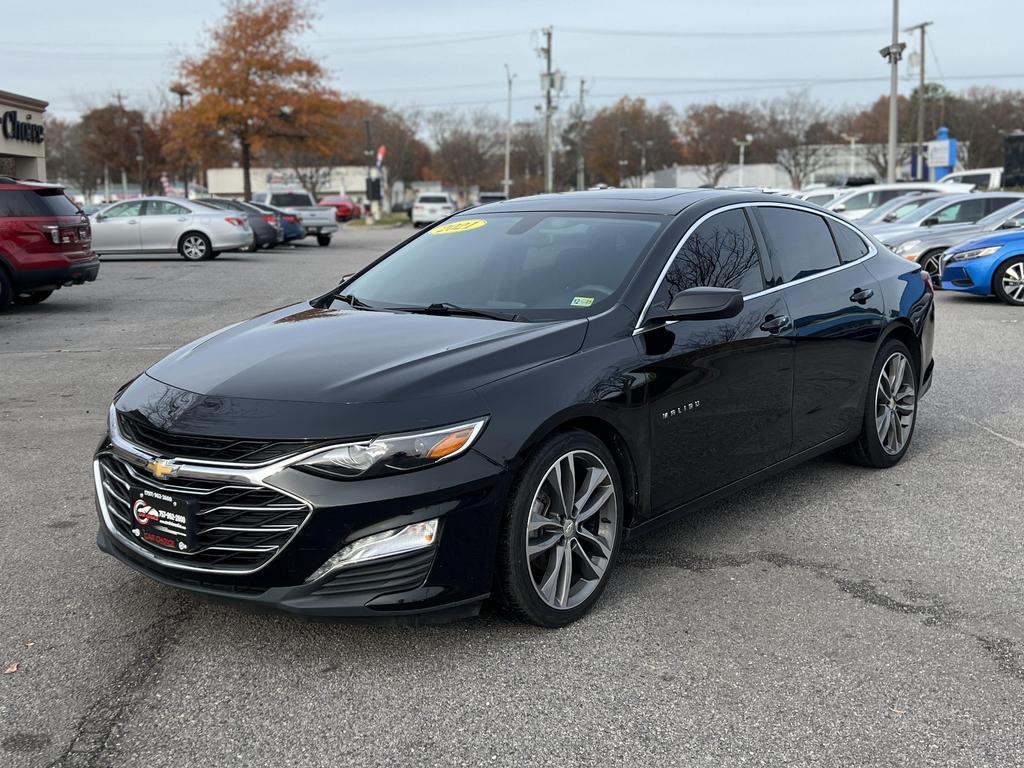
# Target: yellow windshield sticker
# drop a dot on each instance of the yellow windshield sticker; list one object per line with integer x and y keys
{"x": 458, "y": 226}
{"x": 581, "y": 301}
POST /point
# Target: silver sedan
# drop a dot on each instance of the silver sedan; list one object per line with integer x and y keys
{"x": 168, "y": 224}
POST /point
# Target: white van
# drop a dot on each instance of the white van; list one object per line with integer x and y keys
{"x": 983, "y": 179}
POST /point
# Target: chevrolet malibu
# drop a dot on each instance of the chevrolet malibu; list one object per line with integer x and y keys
{"x": 493, "y": 407}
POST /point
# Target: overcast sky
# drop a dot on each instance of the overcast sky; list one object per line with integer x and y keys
{"x": 448, "y": 54}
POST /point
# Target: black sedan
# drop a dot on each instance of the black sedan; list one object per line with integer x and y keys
{"x": 267, "y": 230}
{"x": 491, "y": 408}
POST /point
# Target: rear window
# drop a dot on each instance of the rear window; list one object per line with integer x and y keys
{"x": 289, "y": 199}
{"x": 851, "y": 245}
{"x": 433, "y": 199}
{"x": 800, "y": 243}
{"x": 24, "y": 203}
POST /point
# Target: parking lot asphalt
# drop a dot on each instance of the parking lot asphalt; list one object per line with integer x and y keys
{"x": 833, "y": 615}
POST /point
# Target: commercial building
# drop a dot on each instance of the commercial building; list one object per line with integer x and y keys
{"x": 22, "y": 136}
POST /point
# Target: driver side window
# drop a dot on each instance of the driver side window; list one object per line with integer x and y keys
{"x": 125, "y": 209}
{"x": 720, "y": 253}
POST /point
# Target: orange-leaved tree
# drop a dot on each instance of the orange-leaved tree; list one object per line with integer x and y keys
{"x": 253, "y": 88}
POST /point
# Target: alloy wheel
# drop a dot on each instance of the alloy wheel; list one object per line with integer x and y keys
{"x": 895, "y": 403}
{"x": 1013, "y": 281}
{"x": 194, "y": 247}
{"x": 931, "y": 265}
{"x": 571, "y": 529}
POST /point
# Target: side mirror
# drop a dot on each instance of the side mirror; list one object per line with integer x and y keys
{"x": 701, "y": 304}
{"x": 930, "y": 222}
{"x": 1011, "y": 224}
{"x": 889, "y": 217}
{"x": 98, "y": 216}
{"x": 839, "y": 208}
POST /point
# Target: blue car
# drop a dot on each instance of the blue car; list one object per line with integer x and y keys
{"x": 291, "y": 225}
{"x": 987, "y": 266}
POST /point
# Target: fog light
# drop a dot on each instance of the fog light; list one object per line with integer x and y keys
{"x": 397, "y": 541}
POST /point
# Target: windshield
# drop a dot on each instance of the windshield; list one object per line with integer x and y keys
{"x": 898, "y": 208}
{"x": 433, "y": 199}
{"x": 540, "y": 266}
{"x": 926, "y": 210}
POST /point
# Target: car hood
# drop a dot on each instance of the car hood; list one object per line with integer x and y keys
{"x": 939, "y": 234}
{"x": 305, "y": 354}
{"x": 988, "y": 240}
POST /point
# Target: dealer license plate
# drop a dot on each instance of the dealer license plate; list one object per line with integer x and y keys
{"x": 162, "y": 520}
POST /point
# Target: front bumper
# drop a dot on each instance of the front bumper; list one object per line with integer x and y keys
{"x": 448, "y": 580}
{"x": 970, "y": 276}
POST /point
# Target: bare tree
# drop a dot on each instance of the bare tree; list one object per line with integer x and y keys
{"x": 707, "y": 132}
{"x": 798, "y": 128}
{"x": 466, "y": 149}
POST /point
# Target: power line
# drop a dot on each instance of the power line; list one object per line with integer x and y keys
{"x": 723, "y": 33}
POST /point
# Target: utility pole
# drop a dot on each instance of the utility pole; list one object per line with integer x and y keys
{"x": 368, "y": 154}
{"x": 581, "y": 181}
{"x": 893, "y": 52}
{"x": 743, "y": 143}
{"x": 506, "y": 182}
{"x": 853, "y": 138}
{"x": 920, "y": 100}
{"x": 549, "y": 82}
{"x": 140, "y": 158}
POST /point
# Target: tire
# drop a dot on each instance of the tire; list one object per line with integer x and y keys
{"x": 195, "y": 246}
{"x": 213, "y": 255}
{"x": 6, "y": 289}
{"x": 929, "y": 262}
{"x": 536, "y": 588}
{"x": 1008, "y": 282}
{"x": 323, "y": 240}
{"x": 32, "y": 297}
{"x": 884, "y": 439}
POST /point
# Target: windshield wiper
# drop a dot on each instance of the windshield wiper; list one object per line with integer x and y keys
{"x": 447, "y": 308}
{"x": 351, "y": 299}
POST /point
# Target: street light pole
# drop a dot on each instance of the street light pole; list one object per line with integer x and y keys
{"x": 140, "y": 158}
{"x": 642, "y": 146}
{"x": 893, "y": 52}
{"x": 506, "y": 182}
{"x": 182, "y": 93}
{"x": 743, "y": 143}
{"x": 853, "y": 138}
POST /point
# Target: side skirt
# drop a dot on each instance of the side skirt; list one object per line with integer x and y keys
{"x": 799, "y": 458}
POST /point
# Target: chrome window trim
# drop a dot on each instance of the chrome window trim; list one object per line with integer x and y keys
{"x": 872, "y": 251}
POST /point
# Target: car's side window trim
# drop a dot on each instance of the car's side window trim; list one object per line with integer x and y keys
{"x": 872, "y": 251}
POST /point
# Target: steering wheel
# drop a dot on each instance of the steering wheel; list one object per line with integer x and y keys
{"x": 586, "y": 290}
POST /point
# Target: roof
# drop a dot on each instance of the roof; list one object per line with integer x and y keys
{"x": 666, "y": 202}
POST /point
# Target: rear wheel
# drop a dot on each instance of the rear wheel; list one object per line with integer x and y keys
{"x": 890, "y": 410}
{"x": 561, "y": 531}
{"x": 32, "y": 297}
{"x": 1008, "y": 282}
{"x": 195, "y": 246}
{"x": 323, "y": 240}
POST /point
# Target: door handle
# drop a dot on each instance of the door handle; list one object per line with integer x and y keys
{"x": 132, "y": 221}
{"x": 775, "y": 324}
{"x": 861, "y": 295}
{"x": 182, "y": 218}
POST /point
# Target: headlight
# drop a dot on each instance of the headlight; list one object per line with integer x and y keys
{"x": 391, "y": 454}
{"x": 907, "y": 246}
{"x": 977, "y": 253}
{"x": 397, "y": 541}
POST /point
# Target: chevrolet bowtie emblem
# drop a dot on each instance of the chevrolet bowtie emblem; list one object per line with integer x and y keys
{"x": 161, "y": 469}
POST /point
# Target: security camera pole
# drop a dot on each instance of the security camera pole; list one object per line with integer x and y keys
{"x": 743, "y": 143}
{"x": 893, "y": 52}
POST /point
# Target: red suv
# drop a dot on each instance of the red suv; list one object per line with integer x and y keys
{"x": 344, "y": 207}
{"x": 45, "y": 242}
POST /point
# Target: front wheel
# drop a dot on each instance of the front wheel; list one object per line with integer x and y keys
{"x": 1008, "y": 283}
{"x": 32, "y": 297}
{"x": 930, "y": 263}
{"x": 195, "y": 246}
{"x": 561, "y": 531}
{"x": 323, "y": 240}
{"x": 890, "y": 410}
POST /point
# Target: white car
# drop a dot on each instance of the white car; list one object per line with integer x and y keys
{"x": 821, "y": 195}
{"x": 166, "y": 225}
{"x": 857, "y": 201}
{"x": 982, "y": 178}
{"x": 430, "y": 207}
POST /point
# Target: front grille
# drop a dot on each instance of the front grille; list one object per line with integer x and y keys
{"x": 226, "y": 449}
{"x": 395, "y": 574}
{"x": 238, "y": 527}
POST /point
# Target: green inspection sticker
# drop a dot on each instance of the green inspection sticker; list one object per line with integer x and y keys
{"x": 581, "y": 301}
